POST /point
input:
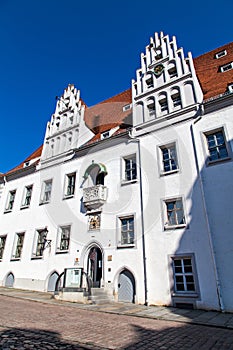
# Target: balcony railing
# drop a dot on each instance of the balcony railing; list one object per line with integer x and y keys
{"x": 94, "y": 196}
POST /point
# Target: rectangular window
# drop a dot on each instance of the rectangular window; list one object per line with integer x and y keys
{"x": 46, "y": 192}
{"x": 63, "y": 240}
{"x": 226, "y": 67}
{"x": 169, "y": 158}
{"x": 10, "y": 200}
{"x": 174, "y": 213}
{"x": 39, "y": 243}
{"x": 70, "y": 185}
{"x": 216, "y": 145}
{"x": 130, "y": 168}
{"x": 27, "y": 197}
{"x": 18, "y": 245}
{"x": 105, "y": 135}
{"x": 183, "y": 275}
{"x": 127, "y": 230}
{"x": 221, "y": 54}
{"x": 2, "y": 245}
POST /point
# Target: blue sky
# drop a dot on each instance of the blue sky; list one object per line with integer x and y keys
{"x": 95, "y": 45}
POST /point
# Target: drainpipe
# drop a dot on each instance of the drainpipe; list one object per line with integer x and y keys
{"x": 133, "y": 139}
{"x": 218, "y": 285}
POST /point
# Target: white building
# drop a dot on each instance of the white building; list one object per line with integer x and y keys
{"x": 135, "y": 190}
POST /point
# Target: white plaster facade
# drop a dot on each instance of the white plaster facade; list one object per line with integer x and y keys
{"x": 148, "y": 199}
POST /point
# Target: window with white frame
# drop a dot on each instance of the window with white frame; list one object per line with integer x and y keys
{"x": 130, "y": 168}
{"x": 27, "y": 197}
{"x": 226, "y": 67}
{"x": 230, "y": 87}
{"x": 174, "y": 215}
{"x": 10, "y": 201}
{"x": 39, "y": 243}
{"x": 46, "y": 192}
{"x": 18, "y": 246}
{"x": 2, "y": 245}
{"x": 63, "y": 239}
{"x": 70, "y": 184}
{"x": 127, "y": 235}
{"x": 169, "y": 158}
{"x": 105, "y": 135}
{"x": 184, "y": 276}
{"x": 221, "y": 54}
{"x": 217, "y": 147}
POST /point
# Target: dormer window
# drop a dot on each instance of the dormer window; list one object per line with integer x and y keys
{"x": 221, "y": 54}
{"x": 230, "y": 87}
{"x": 105, "y": 135}
{"x": 226, "y": 67}
{"x": 26, "y": 164}
{"x": 126, "y": 107}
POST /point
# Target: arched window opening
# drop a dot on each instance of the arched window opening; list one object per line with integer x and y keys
{"x": 151, "y": 108}
{"x": 172, "y": 71}
{"x": 176, "y": 99}
{"x": 163, "y": 104}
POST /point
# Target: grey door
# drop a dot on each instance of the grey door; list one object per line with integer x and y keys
{"x": 126, "y": 287}
{"x": 52, "y": 282}
{"x": 10, "y": 280}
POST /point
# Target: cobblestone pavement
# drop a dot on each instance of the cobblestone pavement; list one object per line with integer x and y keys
{"x": 26, "y": 324}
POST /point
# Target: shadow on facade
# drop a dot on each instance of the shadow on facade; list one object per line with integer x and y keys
{"x": 199, "y": 264}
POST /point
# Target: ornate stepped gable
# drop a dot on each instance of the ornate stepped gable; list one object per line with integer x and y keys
{"x": 166, "y": 81}
{"x": 63, "y": 131}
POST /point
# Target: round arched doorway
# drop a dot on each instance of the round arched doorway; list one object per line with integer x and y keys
{"x": 95, "y": 266}
{"x": 126, "y": 287}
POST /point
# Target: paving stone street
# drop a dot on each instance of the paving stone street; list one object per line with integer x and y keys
{"x": 27, "y": 324}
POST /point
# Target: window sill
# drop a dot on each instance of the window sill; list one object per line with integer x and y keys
{"x": 15, "y": 259}
{"x": 164, "y": 173}
{"x": 128, "y": 182}
{"x": 7, "y": 211}
{"x": 217, "y": 161}
{"x": 174, "y": 227}
{"x": 36, "y": 257}
{"x": 45, "y": 202}
{"x": 68, "y": 196}
{"x": 124, "y": 246}
{"x": 24, "y": 207}
{"x": 185, "y": 294}
{"x": 62, "y": 252}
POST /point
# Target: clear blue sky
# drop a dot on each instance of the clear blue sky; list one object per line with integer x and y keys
{"x": 96, "y": 45}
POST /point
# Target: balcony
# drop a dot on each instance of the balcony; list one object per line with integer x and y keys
{"x": 94, "y": 197}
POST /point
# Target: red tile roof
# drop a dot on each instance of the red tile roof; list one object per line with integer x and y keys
{"x": 35, "y": 154}
{"x": 212, "y": 80}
